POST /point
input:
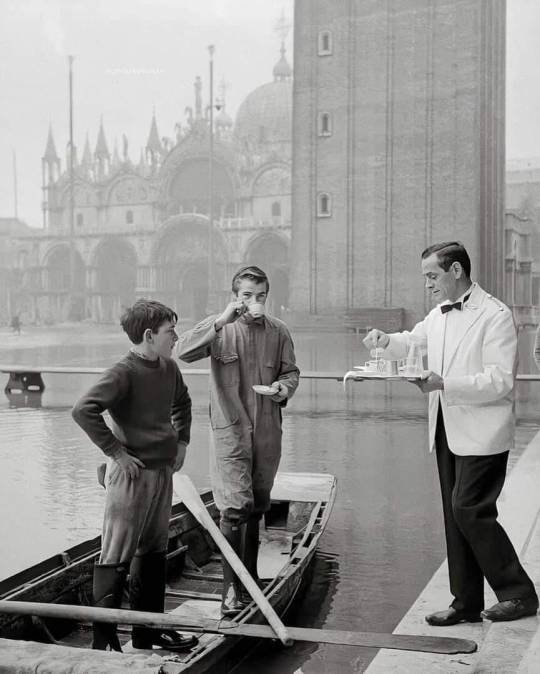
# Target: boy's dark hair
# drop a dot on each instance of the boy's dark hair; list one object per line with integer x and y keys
{"x": 449, "y": 252}
{"x": 251, "y": 273}
{"x": 144, "y": 315}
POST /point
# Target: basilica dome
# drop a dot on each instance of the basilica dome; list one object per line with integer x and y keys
{"x": 265, "y": 115}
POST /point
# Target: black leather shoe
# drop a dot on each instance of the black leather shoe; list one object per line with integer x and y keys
{"x": 168, "y": 639}
{"x": 512, "y": 609}
{"x": 453, "y": 616}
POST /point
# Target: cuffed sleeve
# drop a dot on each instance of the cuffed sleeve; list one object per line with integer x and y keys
{"x": 289, "y": 374}
{"x": 399, "y": 342}
{"x": 196, "y": 343}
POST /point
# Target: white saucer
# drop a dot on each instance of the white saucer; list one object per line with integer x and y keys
{"x": 264, "y": 390}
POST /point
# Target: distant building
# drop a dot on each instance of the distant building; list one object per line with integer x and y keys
{"x": 398, "y": 135}
{"x": 523, "y": 214}
{"x": 141, "y": 228}
{"x": 14, "y": 255}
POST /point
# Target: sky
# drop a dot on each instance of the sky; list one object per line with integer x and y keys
{"x": 131, "y": 57}
{"x": 136, "y": 56}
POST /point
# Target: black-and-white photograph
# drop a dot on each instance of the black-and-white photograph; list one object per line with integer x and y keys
{"x": 269, "y": 336}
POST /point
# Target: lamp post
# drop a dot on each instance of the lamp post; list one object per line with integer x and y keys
{"x": 211, "y": 294}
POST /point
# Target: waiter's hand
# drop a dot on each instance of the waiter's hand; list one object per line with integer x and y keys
{"x": 232, "y": 312}
{"x": 282, "y": 394}
{"x": 430, "y": 381}
{"x": 376, "y": 339}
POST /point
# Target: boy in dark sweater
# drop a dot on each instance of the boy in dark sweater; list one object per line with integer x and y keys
{"x": 150, "y": 410}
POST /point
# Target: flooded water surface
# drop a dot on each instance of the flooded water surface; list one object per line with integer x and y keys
{"x": 384, "y": 539}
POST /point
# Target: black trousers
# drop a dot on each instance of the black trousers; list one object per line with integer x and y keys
{"x": 477, "y": 545}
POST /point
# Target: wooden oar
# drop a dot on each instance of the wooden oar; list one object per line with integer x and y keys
{"x": 185, "y": 488}
{"x": 402, "y": 642}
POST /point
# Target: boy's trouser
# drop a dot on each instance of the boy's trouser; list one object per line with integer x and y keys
{"x": 137, "y": 513}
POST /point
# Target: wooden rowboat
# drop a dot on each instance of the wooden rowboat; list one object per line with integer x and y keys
{"x": 290, "y": 532}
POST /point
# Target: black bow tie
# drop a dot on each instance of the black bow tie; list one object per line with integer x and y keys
{"x": 445, "y": 308}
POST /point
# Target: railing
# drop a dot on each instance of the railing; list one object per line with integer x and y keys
{"x": 28, "y": 378}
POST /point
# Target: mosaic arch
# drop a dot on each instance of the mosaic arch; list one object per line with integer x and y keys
{"x": 181, "y": 262}
{"x": 270, "y": 252}
{"x": 115, "y": 279}
{"x": 188, "y": 189}
{"x": 64, "y": 300}
{"x": 57, "y": 265}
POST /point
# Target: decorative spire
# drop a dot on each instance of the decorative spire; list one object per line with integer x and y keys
{"x": 141, "y": 167}
{"x": 116, "y": 156}
{"x": 87, "y": 154}
{"x": 50, "y": 150}
{"x": 153, "y": 143}
{"x": 102, "y": 151}
{"x": 198, "y": 97}
{"x": 282, "y": 70}
{"x": 223, "y": 120}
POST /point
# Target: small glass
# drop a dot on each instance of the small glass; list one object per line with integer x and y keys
{"x": 414, "y": 365}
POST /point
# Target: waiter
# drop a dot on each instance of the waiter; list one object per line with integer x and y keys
{"x": 471, "y": 345}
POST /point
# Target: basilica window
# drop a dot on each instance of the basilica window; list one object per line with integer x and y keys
{"x": 325, "y": 43}
{"x": 325, "y": 124}
{"x": 80, "y": 219}
{"x": 276, "y": 209}
{"x": 129, "y": 217}
{"x": 324, "y": 205}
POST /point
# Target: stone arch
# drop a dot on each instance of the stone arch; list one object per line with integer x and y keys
{"x": 58, "y": 275}
{"x": 181, "y": 260}
{"x": 189, "y": 184}
{"x": 114, "y": 267}
{"x": 64, "y": 299}
{"x": 272, "y": 180}
{"x": 270, "y": 252}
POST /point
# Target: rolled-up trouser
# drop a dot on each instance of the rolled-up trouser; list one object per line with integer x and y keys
{"x": 242, "y": 470}
{"x": 137, "y": 513}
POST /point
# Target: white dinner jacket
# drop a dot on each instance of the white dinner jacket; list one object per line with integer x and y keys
{"x": 478, "y": 371}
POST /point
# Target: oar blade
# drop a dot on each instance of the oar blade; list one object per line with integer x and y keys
{"x": 402, "y": 642}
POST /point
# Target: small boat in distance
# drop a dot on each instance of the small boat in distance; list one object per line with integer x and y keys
{"x": 290, "y": 532}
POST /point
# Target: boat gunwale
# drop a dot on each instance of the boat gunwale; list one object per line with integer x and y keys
{"x": 291, "y": 573}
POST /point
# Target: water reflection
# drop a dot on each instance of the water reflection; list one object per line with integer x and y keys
{"x": 24, "y": 399}
{"x": 384, "y": 539}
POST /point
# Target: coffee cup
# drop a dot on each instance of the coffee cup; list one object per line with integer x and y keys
{"x": 256, "y": 309}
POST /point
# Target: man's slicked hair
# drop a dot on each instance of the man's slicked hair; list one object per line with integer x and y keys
{"x": 251, "y": 273}
{"x": 144, "y": 315}
{"x": 449, "y": 252}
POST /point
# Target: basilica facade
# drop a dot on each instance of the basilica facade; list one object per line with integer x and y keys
{"x": 123, "y": 229}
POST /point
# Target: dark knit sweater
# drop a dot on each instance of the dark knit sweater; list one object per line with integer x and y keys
{"x": 149, "y": 406}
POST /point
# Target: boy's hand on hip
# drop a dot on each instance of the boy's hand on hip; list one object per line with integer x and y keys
{"x": 282, "y": 393}
{"x": 180, "y": 456}
{"x": 129, "y": 465}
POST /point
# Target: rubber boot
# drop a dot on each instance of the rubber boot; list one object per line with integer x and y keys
{"x": 108, "y": 587}
{"x": 250, "y": 554}
{"x": 231, "y": 603}
{"x": 251, "y": 547}
{"x": 148, "y": 575}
